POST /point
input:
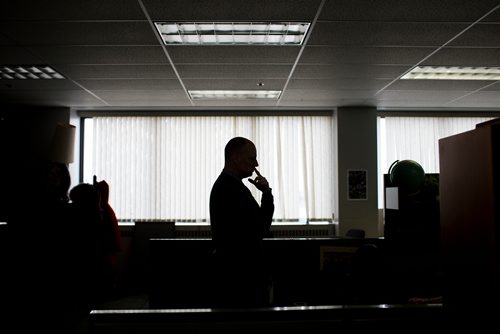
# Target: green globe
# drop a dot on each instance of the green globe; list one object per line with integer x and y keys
{"x": 407, "y": 175}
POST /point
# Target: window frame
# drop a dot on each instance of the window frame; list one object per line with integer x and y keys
{"x": 86, "y": 114}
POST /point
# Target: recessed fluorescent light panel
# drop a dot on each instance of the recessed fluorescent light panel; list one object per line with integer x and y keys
{"x": 232, "y": 33}
{"x": 234, "y": 94}
{"x": 453, "y": 73}
{"x": 23, "y": 72}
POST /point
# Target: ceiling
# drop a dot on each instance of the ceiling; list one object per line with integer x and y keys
{"x": 354, "y": 54}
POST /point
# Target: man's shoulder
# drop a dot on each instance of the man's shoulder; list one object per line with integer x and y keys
{"x": 227, "y": 184}
{"x": 225, "y": 179}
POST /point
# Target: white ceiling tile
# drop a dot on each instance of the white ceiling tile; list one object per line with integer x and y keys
{"x": 112, "y": 56}
{"x": 60, "y": 33}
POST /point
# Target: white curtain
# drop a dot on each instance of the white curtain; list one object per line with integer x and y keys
{"x": 417, "y": 138}
{"x": 164, "y": 167}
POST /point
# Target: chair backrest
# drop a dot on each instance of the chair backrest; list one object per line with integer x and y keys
{"x": 143, "y": 232}
{"x": 355, "y": 233}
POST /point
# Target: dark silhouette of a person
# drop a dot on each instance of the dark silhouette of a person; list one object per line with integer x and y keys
{"x": 96, "y": 243}
{"x": 239, "y": 224}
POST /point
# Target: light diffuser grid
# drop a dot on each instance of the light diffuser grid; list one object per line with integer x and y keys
{"x": 23, "y": 72}
{"x": 233, "y": 94}
{"x": 453, "y": 73}
{"x": 232, "y": 33}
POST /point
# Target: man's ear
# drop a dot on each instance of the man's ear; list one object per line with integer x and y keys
{"x": 235, "y": 159}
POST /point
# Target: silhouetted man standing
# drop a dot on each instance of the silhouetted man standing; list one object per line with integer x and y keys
{"x": 238, "y": 225}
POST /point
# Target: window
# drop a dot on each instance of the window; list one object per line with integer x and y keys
{"x": 164, "y": 167}
{"x": 416, "y": 138}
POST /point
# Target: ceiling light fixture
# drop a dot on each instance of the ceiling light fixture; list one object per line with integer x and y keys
{"x": 232, "y": 33}
{"x": 23, "y": 72}
{"x": 453, "y": 73}
{"x": 234, "y": 94}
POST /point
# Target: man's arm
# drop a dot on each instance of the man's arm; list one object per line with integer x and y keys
{"x": 267, "y": 200}
{"x": 267, "y": 209}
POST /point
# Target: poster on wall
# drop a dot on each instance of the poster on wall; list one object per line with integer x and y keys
{"x": 356, "y": 181}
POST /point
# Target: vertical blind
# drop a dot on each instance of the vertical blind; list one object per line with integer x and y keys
{"x": 164, "y": 167}
{"x": 417, "y": 138}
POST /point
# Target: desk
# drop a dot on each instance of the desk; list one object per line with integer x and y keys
{"x": 180, "y": 270}
{"x": 387, "y": 319}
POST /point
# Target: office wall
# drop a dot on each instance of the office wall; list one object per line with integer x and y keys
{"x": 357, "y": 150}
{"x": 26, "y": 132}
{"x": 25, "y": 136}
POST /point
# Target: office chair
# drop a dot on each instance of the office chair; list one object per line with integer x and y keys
{"x": 355, "y": 233}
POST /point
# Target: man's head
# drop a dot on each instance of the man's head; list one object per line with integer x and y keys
{"x": 240, "y": 157}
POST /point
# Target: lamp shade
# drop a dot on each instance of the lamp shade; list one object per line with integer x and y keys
{"x": 62, "y": 147}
